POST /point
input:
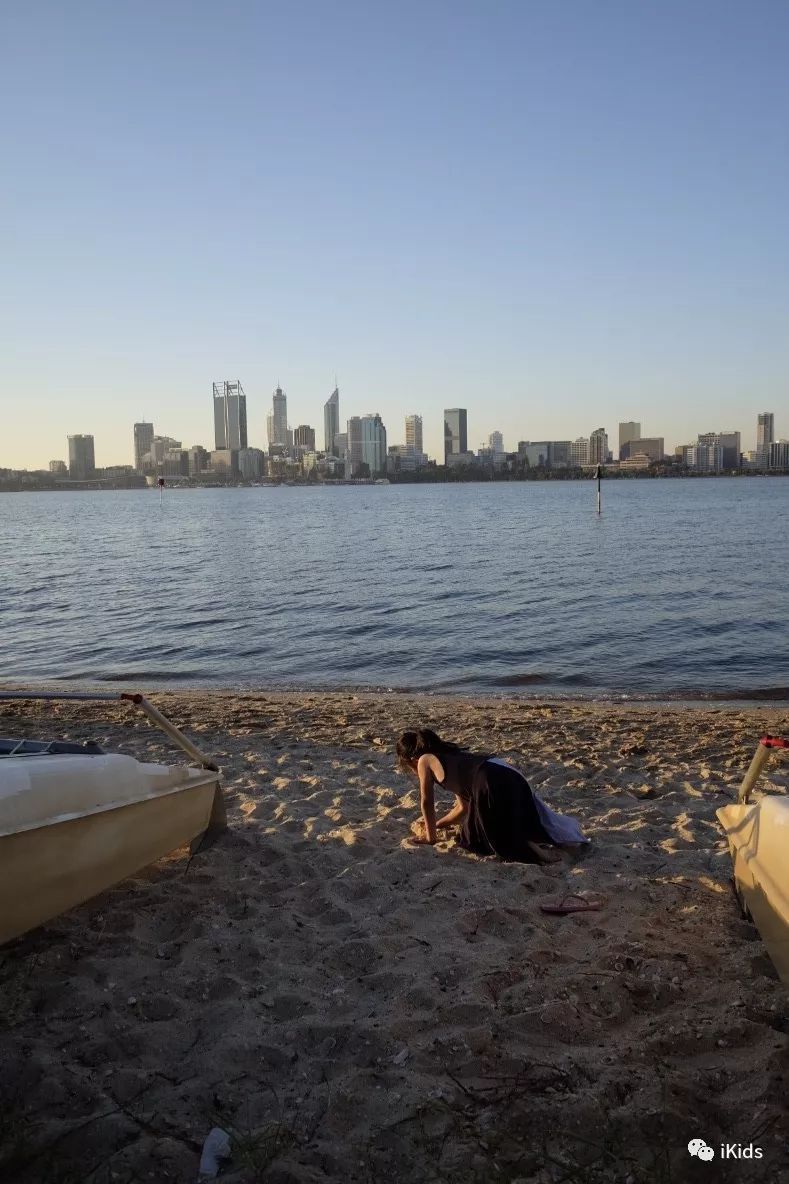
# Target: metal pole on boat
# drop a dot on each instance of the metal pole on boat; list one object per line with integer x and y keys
{"x": 124, "y": 697}
{"x": 170, "y": 729}
{"x": 754, "y": 769}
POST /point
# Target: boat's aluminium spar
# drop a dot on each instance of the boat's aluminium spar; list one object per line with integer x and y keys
{"x": 218, "y": 820}
{"x": 138, "y": 700}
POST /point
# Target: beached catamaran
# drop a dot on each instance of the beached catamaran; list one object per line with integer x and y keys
{"x": 75, "y": 820}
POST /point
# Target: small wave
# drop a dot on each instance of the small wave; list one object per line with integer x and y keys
{"x": 760, "y": 694}
{"x": 140, "y": 676}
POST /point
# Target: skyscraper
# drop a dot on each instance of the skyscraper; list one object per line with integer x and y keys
{"x": 143, "y": 438}
{"x": 374, "y": 444}
{"x": 304, "y": 437}
{"x": 598, "y": 447}
{"x": 354, "y": 456}
{"x": 729, "y": 442}
{"x": 652, "y": 446}
{"x": 230, "y": 415}
{"x": 765, "y": 435}
{"x": 81, "y": 458}
{"x": 331, "y": 421}
{"x": 455, "y": 431}
{"x": 627, "y": 432}
{"x": 496, "y": 443}
{"x": 278, "y": 419}
{"x": 579, "y": 452}
{"x": 413, "y": 432}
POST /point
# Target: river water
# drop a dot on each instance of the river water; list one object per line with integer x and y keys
{"x": 680, "y": 589}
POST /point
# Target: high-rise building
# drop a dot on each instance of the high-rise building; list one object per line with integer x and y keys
{"x": 230, "y": 415}
{"x": 374, "y": 444}
{"x": 354, "y": 456}
{"x": 251, "y": 464}
{"x": 224, "y": 462}
{"x": 81, "y": 458}
{"x": 560, "y": 454}
{"x": 304, "y": 437}
{"x": 199, "y": 459}
{"x": 143, "y": 438}
{"x": 778, "y": 456}
{"x": 331, "y": 422}
{"x": 278, "y": 419}
{"x": 496, "y": 443}
{"x": 728, "y": 441}
{"x": 58, "y": 467}
{"x": 651, "y": 446}
{"x": 160, "y": 446}
{"x": 705, "y": 457}
{"x": 403, "y": 459}
{"x": 627, "y": 432}
{"x": 765, "y": 435}
{"x": 413, "y": 432}
{"x": 598, "y": 447}
{"x": 535, "y": 453}
{"x": 455, "y": 431}
{"x": 579, "y": 452}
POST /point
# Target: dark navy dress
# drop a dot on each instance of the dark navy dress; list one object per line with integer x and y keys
{"x": 502, "y": 817}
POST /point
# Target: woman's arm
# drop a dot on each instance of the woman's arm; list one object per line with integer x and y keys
{"x": 458, "y": 811}
{"x": 427, "y": 796}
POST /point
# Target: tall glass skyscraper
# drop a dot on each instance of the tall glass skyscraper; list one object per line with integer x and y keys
{"x": 455, "y": 431}
{"x": 81, "y": 458}
{"x": 278, "y": 419}
{"x": 230, "y": 415}
{"x": 331, "y": 421}
{"x": 354, "y": 454}
{"x": 143, "y": 439}
{"x": 413, "y": 432}
{"x": 765, "y": 434}
{"x": 628, "y": 431}
{"x": 374, "y": 444}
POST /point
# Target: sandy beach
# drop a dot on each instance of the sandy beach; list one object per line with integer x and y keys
{"x": 353, "y": 1009}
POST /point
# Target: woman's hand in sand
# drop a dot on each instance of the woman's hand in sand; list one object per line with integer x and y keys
{"x": 419, "y": 834}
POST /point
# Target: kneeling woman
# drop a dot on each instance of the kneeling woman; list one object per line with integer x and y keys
{"x": 495, "y": 807}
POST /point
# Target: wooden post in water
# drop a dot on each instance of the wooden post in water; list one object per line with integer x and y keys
{"x": 598, "y": 475}
{"x": 160, "y": 483}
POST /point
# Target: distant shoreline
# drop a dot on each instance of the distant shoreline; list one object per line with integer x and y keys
{"x": 769, "y": 698}
{"x": 464, "y": 478}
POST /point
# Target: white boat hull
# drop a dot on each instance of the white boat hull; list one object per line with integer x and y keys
{"x": 758, "y": 836}
{"x": 70, "y": 830}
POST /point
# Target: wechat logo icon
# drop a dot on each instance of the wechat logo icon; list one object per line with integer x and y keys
{"x": 700, "y": 1149}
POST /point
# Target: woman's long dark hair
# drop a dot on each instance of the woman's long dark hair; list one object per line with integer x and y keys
{"x": 412, "y": 745}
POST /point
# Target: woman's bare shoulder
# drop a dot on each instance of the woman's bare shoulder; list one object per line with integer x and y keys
{"x": 429, "y": 761}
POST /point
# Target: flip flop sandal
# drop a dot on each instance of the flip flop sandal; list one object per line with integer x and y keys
{"x": 573, "y": 902}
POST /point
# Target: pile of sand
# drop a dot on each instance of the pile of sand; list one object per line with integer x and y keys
{"x": 353, "y": 1009}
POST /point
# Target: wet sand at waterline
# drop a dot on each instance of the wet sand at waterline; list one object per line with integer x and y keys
{"x": 353, "y": 1009}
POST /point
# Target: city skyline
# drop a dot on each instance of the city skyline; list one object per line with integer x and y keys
{"x": 456, "y": 437}
{"x": 364, "y": 451}
{"x": 541, "y": 221}
{"x": 258, "y": 421}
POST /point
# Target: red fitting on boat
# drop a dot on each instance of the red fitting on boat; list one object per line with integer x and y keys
{"x": 774, "y": 742}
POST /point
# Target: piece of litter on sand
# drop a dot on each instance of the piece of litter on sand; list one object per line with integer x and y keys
{"x": 216, "y": 1147}
{"x": 401, "y": 1057}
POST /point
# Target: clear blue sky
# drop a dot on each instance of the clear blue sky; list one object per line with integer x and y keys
{"x": 558, "y": 214}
